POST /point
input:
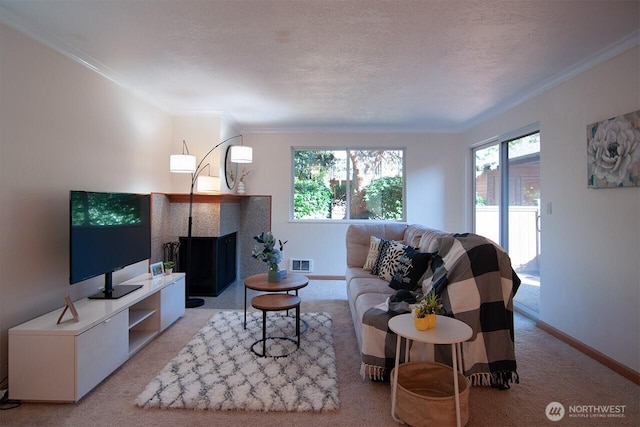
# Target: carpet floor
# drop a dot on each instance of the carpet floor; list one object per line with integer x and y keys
{"x": 550, "y": 371}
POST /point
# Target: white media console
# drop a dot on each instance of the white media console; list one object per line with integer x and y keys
{"x": 63, "y": 362}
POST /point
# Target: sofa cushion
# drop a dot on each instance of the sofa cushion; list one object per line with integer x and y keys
{"x": 423, "y": 238}
{"x": 429, "y": 239}
{"x": 357, "y": 239}
{"x": 356, "y": 272}
{"x": 390, "y": 260}
{"x": 369, "y": 284}
{"x": 412, "y": 266}
{"x": 413, "y": 234}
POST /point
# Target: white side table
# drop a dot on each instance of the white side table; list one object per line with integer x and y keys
{"x": 447, "y": 331}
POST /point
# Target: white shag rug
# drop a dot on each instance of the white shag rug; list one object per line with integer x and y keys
{"x": 218, "y": 371}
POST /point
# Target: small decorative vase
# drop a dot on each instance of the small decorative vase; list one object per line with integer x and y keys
{"x": 272, "y": 275}
{"x": 241, "y": 188}
{"x": 426, "y": 322}
{"x": 168, "y": 270}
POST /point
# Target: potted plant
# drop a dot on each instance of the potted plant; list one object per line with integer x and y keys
{"x": 168, "y": 267}
{"x": 425, "y": 311}
{"x": 269, "y": 254}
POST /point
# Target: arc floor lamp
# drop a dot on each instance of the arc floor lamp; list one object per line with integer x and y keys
{"x": 186, "y": 163}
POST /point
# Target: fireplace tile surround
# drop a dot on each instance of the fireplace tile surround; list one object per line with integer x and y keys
{"x": 213, "y": 216}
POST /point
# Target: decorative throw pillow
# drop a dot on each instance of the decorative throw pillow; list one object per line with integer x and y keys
{"x": 384, "y": 245}
{"x": 391, "y": 260}
{"x": 372, "y": 256}
{"x": 411, "y": 269}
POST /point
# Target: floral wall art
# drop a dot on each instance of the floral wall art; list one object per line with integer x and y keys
{"x": 614, "y": 152}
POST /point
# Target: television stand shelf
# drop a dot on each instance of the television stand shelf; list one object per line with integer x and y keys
{"x": 138, "y": 338}
{"x": 137, "y": 316}
{"x": 63, "y": 362}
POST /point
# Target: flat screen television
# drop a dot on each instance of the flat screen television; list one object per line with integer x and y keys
{"x": 108, "y": 231}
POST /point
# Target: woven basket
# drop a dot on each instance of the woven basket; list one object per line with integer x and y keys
{"x": 425, "y": 395}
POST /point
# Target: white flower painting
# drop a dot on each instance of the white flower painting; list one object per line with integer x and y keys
{"x": 613, "y": 156}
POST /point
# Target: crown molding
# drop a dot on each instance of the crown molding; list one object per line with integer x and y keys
{"x": 47, "y": 38}
{"x": 630, "y": 41}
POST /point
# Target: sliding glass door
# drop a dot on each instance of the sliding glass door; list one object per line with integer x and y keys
{"x": 507, "y": 206}
{"x": 488, "y": 186}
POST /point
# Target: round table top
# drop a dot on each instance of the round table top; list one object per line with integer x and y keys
{"x": 447, "y": 331}
{"x": 292, "y": 282}
{"x": 275, "y": 302}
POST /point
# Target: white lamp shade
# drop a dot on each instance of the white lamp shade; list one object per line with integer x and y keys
{"x": 241, "y": 154}
{"x": 182, "y": 163}
{"x": 208, "y": 184}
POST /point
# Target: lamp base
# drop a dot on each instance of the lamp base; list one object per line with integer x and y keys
{"x": 194, "y": 302}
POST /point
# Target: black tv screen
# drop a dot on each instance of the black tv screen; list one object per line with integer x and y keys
{"x": 108, "y": 231}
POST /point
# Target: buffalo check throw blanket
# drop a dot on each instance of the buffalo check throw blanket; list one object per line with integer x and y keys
{"x": 475, "y": 281}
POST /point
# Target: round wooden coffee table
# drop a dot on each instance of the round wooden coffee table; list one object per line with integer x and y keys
{"x": 259, "y": 282}
{"x": 275, "y": 302}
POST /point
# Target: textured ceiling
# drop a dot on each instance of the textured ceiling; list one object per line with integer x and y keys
{"x": 277, "y": 65}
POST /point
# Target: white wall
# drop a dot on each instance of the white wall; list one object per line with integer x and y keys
{"x": 434, "y": 181}
{"x": 62, "y": 127}
{"x": 590, "y": 262}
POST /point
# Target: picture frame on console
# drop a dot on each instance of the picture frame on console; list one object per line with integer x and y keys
{"x": 72, "y": 309}
{"x": 156, "y": 269}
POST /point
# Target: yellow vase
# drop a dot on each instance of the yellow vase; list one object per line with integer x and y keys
{"x": 424, "y": 323}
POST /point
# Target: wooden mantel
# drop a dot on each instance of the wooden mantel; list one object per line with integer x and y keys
{"x": 205, "y": 198}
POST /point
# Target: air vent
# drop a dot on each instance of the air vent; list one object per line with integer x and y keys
{"x": 301, "y": 265}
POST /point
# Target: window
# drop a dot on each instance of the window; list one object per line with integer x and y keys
{"x": 341, "y": 184}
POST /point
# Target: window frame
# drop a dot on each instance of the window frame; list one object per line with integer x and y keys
{"x": 403, "y": 149}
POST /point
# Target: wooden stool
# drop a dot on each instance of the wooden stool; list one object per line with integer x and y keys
{"x": 275, "y": 302}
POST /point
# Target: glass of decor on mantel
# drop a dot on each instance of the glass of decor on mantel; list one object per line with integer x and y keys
{"x": 242, "y": 189}
{"x": 269, "y": 254}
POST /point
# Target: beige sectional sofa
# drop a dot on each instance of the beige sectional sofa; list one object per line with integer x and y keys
{"x": 464, "y": 268}
{"x": 365, "y": 290}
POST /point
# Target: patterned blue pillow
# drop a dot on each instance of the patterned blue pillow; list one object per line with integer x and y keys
{"x": 412, "y": 266}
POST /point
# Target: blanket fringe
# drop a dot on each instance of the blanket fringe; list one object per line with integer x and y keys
{"x": 494, "y": 379}
{"x": 482, "y": 379}
{"x": 372, "y": 372}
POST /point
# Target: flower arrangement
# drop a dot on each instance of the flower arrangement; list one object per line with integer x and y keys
{"x": 268, "y": 253}
{"x": 428, "y": 304}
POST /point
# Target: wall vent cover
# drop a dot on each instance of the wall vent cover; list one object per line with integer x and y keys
{"x": 301, "y": 265}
